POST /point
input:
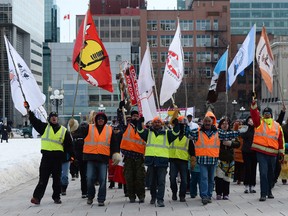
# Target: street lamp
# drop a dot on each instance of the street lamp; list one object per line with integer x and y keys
{"x": 101, "y": 108}
{"x": 242, "y": 109}
{"x": 234, "y": 103}
{"x": 57, "y": 98}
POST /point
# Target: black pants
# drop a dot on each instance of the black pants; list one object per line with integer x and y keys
{"x": 49, "y": 165}
{"x": 277, "y": 168}
{"x": 83, "y": 176}
{"x": 250, "y": 166}
{"x": 222, "y": 187}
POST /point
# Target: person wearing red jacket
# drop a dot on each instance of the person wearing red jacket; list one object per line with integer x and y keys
{"x": 267, "y": 143}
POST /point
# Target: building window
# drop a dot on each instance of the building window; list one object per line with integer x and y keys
{"x": 203, "y": 41}
{"x": 168, "y": 25}
{"x": 152, "y": 40}
{"x": 203, "y": 56}
{"x": 154, "y": 56}
{"x": 186, "y": 25}
{"x": 163, "y": 56}
{"x": 187, "y": 40}
{"x": 106, "y": 97}
{"x": 202, "y": 25}
{"x": 188, "y": 56}
{"x": 126, "y": 22}
{"x": 165, "y": 40}
{"x": 151, "y": 25}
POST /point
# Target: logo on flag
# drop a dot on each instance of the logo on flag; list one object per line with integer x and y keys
{"x": 67, "y": 16}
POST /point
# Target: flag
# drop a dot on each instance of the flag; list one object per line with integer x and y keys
{"x": 41, "y": 114}
{"x": 90, "y": 56}
{"x": 145, "y": 80}
{"x": 67, "y": 16}
{"x": 174, "y": 69}
{"x": 218, "y": 81}
{"x": 19, "y": 73}
{"x": 145, "y": 86}
{"x": 243, "y": 58}
{"x": 265, "y": 59}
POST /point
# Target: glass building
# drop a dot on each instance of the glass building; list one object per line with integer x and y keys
{"x": 273, "y": 14}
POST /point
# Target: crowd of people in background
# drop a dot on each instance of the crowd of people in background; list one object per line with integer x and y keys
{"x": 201, "y": 157}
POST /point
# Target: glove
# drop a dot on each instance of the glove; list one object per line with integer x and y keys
{"x": 175, "y": 121}
{"x": 26, "y": 105}
{"x": 243, "y": 129}
{"x": 116, "y": 158}
{"x": 121, "y": 104}
{"x": 227, "y": 143}
{"x": 193, "y": 162}
{"x": 141, "y": 119}
{"x": 73, "y": 125}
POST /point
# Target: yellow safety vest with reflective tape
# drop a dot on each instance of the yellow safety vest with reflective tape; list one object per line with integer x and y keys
{"x": 179, "y": 149}
{"x": 157, "y": 146}
{"x": 266, "y": 138}
{"x": 51, "y": 141}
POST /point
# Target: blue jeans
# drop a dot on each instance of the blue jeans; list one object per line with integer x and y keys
{"x": 157, "y": 184}
{"x": 96, "y": 170}
{"x": 194, "y": 181}
{"x": 207, "y": 172}
{"x": 180, "y": 166}
{"x": 267, "y": 165}
{"x": 65, "y": 173}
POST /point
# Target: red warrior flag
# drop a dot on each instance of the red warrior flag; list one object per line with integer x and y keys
{"x": 90, "y": 57}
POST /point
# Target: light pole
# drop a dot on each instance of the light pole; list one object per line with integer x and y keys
{"x": 234, "y": 103}
{"x": 242, "y": 109}
{"x": 57, "y": 98}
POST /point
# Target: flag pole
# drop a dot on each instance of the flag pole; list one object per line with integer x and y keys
{"x": 69, "y": 25}
{"x": 226, "y": 89}
{"x": 281, "y": 92}
{"x": 253, "y": 85}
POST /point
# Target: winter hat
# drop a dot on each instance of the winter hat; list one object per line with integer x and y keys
{"x": 267, "y": 109}
{"x": 73, "y": 124}
{"x": 53, "y": 114}
{"x": 134, "y": 112}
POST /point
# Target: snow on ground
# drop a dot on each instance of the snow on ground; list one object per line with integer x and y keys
{"x": 19, "y": 162}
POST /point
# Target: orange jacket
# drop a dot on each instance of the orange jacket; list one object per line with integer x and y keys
{"x": 131, "y": 141}
{"x": 205, "y": 146}
{"x": 95, "y": 143}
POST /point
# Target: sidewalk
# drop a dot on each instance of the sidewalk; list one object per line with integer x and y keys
{"x": 16, "y": 202}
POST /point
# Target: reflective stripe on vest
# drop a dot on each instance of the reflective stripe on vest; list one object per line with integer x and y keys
{"x": 51, "y": 141}
{"x": 179, "y": 149}
{"x": 95, "y": 143}
{"x": 131, "y": 141}
{"x": 207, "y": 147}
{"x": 157, "y": 146}
{"x": 266, "y": 139}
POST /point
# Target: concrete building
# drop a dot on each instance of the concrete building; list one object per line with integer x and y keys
{"x": 23, "y": 24}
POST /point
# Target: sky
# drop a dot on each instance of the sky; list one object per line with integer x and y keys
{"x": 19, "y": 162}
{"x": 78, "y": 7}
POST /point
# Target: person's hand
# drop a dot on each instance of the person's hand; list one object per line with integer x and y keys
{"x": 121, "y": 104}
{"x": 26, "y": 105}
{"x": 227, "y": 143}
{"x": 116, "y": 158}
{"x": 193, "y": 162}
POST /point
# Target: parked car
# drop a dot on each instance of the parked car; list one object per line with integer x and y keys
{"x": 27, "y": 132}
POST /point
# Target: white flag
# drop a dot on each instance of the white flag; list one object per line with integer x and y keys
{"x": 22, "y": 75}
{"x": 41, "y": 114}
{"x": 265, "y": 59}
{"x": 243, "y": 58}
{"x": 149, "y": 110}
{"x": 174, "y": 69}
{"x": 145, "y": 80}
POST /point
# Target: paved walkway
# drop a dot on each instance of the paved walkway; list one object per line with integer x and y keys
{"x": 16, "y": 202}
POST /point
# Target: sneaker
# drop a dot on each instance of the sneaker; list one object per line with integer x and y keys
{"x": 174, "y": 197}
{"x": 218, "y": 197}
{"x": 63, "y": 193}
{"x": 262, "y": 198}
{"x": 209, "y": 200}
{"x": 35, "y": 201}
{"x": 252, "y": 191}
{"x": 205, "y": 201}
{"x": 160, "y": 203}
{"x": 132, "y": 200}
{"x": 152, "y": 201}
{"x": 226, "y": 198}
{"x": 246, "y": 191}
{"x": 284, "y": 181}
{"x": 193, "y": 196}
{"x": 270, "y": 196}
{"x": 57, "y": 201}
{"x": 89, "y": 201}
{"x": 182, "y": 199}
{"x": 101, "y": 203}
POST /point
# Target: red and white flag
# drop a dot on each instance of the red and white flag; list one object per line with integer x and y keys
{"x": 90, "y": 57}
{"x": 67, "y": 16}
{"x": 265, "y": 59}
{"x": 174, "y": 69}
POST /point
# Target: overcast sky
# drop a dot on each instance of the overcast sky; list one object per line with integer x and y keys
{"x": 76, "y": 7}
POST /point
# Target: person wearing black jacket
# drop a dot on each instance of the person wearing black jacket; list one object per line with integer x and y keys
{"x": 55, "y": 142}
{"x": 249, "y": 157}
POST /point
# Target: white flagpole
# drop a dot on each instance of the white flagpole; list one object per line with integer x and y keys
{"x": 226, "y": 91}
{"x": 253, "y": 86}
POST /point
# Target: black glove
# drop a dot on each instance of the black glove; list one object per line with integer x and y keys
{"x": 175, "y": 121}
{"x": 141, "y": 119}
{"x": 121, "y": 104}
{"x": 26, "y": 105}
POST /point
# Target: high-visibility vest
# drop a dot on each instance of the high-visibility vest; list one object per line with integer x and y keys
{"x": 157, "y": 146}
{"x": 179, "y": 149}
{"x": 95, "y": 143}
{"x": 131, "y": 141}
{"x": 51, "y": 141}
{"x": 206, "y": 146}
{"x": 266, "y": 139}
